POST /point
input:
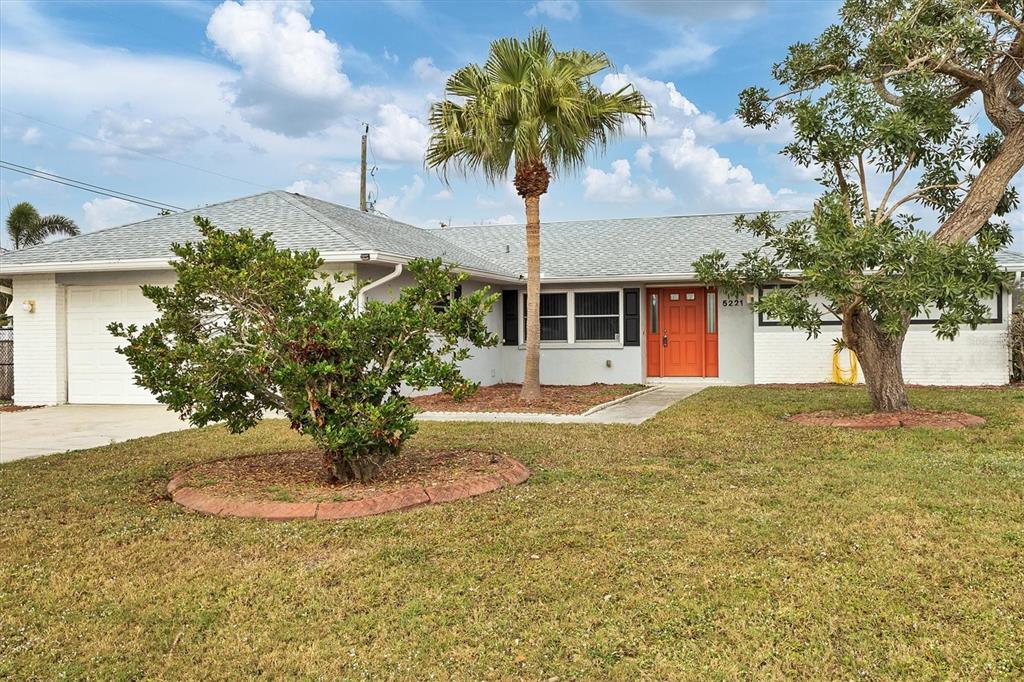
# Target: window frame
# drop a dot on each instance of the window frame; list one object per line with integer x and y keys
{"x": 570, "y": 303}
{"x": 618, "y": 313}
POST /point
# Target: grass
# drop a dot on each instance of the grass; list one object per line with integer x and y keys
{"x": 713, "y": 542}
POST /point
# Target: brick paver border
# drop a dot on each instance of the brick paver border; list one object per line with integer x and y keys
{"x": 510, "y": 472}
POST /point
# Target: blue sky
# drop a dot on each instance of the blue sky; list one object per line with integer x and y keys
{"x": 194, "y": 102}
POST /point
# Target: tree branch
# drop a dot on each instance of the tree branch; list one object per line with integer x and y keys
{"x": 893, "y": 184}
{"x": 863, "y": 184}
{"x": 920, "y": 192}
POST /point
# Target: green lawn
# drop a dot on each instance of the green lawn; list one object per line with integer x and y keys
{"x": 714, "y": 541}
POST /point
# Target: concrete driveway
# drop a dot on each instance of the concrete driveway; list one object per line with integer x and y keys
{"x": 46, "y": 430}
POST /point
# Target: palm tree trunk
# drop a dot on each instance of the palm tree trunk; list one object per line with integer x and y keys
{"x": 531, "y": 375}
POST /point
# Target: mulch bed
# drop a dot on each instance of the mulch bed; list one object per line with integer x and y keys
{"x": 505, "y": 398}
{"x": 299, "y": 476}
{"x": 889, "y": 420}
{"x": 17, "y": 408}
{"x": 292, "y": 485}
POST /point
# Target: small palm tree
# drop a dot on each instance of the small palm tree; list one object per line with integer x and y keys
{"x": 26, "y": 227}
{"x": 532, "y": 108}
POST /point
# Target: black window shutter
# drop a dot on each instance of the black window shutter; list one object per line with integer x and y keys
{"x": 631, "y": 316}
{"x": 510, "y": 316}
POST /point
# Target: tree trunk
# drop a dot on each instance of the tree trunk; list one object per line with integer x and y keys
{"x": 531, "y": 375}
{"x": 881, "y": 359}
{"x": 531, "y": 181}
{"x": 341, "y": 468}
{"x": 986, "y": 191}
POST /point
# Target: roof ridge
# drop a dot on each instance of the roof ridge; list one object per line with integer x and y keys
{"x": 498, "y": 269}
{"x": 138, "y": 222}
{"x": 657, "y": 217}
{"x": 332, "y": 225}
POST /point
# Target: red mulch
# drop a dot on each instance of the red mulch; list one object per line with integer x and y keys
{"x": 505, "y": 398}
{"x": 890, "y": 420}
{"x": 17, "y": 408}
{"x": 299, "y": 476}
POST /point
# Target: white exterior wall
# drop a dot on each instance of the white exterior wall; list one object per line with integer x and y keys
{"x": 975, "y": 358}
{"x": 735, "y": 341}
{"x": 584, "y": 362}
{"x": 40, "y": 364}
{"x": 484, "y": 364}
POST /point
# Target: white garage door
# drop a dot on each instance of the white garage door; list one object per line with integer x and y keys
{"x": 96, "y": 373}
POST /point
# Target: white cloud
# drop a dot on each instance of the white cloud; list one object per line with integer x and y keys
{"x": 32, "y": 136}
{"x": 425, "y": 70}
{"x": 398, "y": 206}
{"x": 340, "y": 186}
{"x": 291, "y": 79}
{"x": 689, "y": 52}
{"x": 390, "y": 56}
{"x": 642, "y": 157}
{"x": 399, "y": 136}
{"x": 507, "y": 219}
{"x": 101, "y": 213}
{"x": 616, "y": 187}
{"x": 674, "y": 112}
{"x": 715, "y": 179}
{"x": 443, "y": 195}
{"x": 120, "y": 131}
{"x": 562, "y": 10}
{"x": 656, "y": 192}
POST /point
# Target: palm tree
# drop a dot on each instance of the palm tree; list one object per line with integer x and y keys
{"x": 533, "y": 108}
{"x": 26, "y": 227}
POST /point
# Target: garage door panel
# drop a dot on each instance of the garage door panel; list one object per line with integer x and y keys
{"x": 96, "y": 372}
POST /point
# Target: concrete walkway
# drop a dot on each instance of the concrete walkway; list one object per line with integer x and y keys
{"x": 634, "y": 409}
{"x": 46, "y": 430}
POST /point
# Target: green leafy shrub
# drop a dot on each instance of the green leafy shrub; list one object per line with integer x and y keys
{"x": 248, "y": 328}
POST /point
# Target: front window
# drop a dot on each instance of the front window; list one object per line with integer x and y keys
{"x": 597, "y": 316}
{"x": 554, "y": 317}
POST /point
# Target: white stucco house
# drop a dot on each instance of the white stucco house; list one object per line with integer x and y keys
{"x": 620, "y": 300}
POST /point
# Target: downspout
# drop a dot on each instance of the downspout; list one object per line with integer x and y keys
{"x": 361, "y": 301}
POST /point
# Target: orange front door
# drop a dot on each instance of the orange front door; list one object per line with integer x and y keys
{"x": 682, "y": 329}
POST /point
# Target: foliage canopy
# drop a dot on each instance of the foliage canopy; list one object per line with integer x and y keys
{"x": 249, "y": 328}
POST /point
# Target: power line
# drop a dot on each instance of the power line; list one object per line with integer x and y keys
{"x": 125, "y": 195}
{"x": 87, "y": 187}
{"x": 134, "y": 151}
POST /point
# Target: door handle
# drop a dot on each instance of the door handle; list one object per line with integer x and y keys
{"x": 664, "y": 341}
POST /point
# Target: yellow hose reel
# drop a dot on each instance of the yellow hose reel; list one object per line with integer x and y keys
{"x": 841, "y": 375}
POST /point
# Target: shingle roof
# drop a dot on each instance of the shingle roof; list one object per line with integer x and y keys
{"x": 619, "y": 247}
{"x": 614, "y": 247}
{"x": 296, "y": 221}
{"x": 1010, "y": 258}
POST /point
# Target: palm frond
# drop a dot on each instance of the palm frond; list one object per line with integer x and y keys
{"x": 528, "y": 103}
{"x": 54, "y": 225}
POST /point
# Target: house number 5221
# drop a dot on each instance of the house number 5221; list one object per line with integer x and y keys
{"x": 731, "y": 302}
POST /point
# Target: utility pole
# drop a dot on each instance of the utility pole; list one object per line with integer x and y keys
{"x": 362, "y": 171}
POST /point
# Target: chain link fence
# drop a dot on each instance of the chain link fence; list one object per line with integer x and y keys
{"x": 6, "y": 363}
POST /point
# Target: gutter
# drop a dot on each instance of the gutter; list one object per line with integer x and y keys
{"x": 361, "y": 299}
{"x": 165, "y": 264}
